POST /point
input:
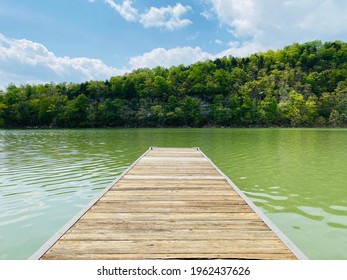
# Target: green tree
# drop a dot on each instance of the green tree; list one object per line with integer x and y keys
{"x": 335, "y": 118}
{"x": 77, "y": 111}
{"x": 158, "y": 117}
{"x": 300, "y": 85}
{"x": 3, "y": 108}
{"x": 191, "y": 111}
{"x": 221, "y": 114}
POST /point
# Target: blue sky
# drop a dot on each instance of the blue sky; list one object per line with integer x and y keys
{"x": 78, "y": 40}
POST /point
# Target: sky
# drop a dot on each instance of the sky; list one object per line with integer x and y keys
{"x": 80, "y": 40}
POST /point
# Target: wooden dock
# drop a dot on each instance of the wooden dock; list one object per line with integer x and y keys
{"x": 170, "y": 204}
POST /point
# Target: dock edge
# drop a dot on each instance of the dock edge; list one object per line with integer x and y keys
{"x": 291, "y": 246}
{"x": 50, "y": 242}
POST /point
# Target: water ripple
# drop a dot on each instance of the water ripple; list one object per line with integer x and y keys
{"x": 47, "y": 176}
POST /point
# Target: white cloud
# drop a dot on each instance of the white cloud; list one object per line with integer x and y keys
{"x": 166, "y": 17}
{"x": 207, "y": 15}
{"x": 329, "y": 17}
{"x": 263, "y": 24}
{"x": 168, "y": 58}
{"x": 241, "y": 50}
{"x": 24, "y": 61}
{"x": 126, "y": 10}
{"x": 241, "y": 15}
{"x": 255, "y": 25}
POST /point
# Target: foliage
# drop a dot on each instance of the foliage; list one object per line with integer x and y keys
{"x": 298, "y": 86}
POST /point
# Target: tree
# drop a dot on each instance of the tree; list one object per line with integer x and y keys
{"x": 191, "y": 111}
{"x": 117, "y": 87}
{"x": 129, "y": 87}
{"x": 221, "y": 114}
{"x": 335, "y": 118}
{"x": 300, "y": 85}
{"x": 311, "y": 110}
{"x": 16, "y": 111}
{"x": 158, "y": 117}
{"x": 3, "y": 108}
{"x": 77, "y": 110}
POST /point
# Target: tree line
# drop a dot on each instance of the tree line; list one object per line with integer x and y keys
{"x": 302, "y": 85}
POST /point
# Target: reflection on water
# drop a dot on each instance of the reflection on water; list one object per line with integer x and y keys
{"x": 296, "y": 176}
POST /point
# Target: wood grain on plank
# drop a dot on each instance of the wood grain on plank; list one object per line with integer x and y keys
{"x": 173, "y": 204}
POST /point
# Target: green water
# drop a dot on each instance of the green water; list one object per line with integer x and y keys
{"x": 298, "y": 177}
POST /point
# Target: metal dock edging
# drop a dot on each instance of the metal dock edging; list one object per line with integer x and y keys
{"x": 50, "y": 242}
{"x": 296, "y": 251}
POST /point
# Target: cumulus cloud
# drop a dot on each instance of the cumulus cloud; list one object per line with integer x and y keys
{"x": 241, "y": 15}
{"x": 165, "y": 17}
{"x": 254, "y": 25}
{"x": 126, "y": 10}
{"x": 259, "y": 25}
{"x": 24, "y": 61}
{"x": 237, "y": 49}
{"x": 329, "y": 17}
{"x": 168, "y": 58}
{"x": 263, "y": 24}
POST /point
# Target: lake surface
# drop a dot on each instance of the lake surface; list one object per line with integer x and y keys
{"x": 298, "y": 177}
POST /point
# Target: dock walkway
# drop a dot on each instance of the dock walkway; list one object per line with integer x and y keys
{"x": 170, "y": 204}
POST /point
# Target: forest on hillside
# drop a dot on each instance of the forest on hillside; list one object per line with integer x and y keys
{"x": 302, "y": 85}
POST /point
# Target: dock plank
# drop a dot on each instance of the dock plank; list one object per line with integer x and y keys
{"x": 172, "y": 203}
{"x": 174, "y": 234}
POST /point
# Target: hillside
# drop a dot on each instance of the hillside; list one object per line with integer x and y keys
{"x": 302, "y": 85}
